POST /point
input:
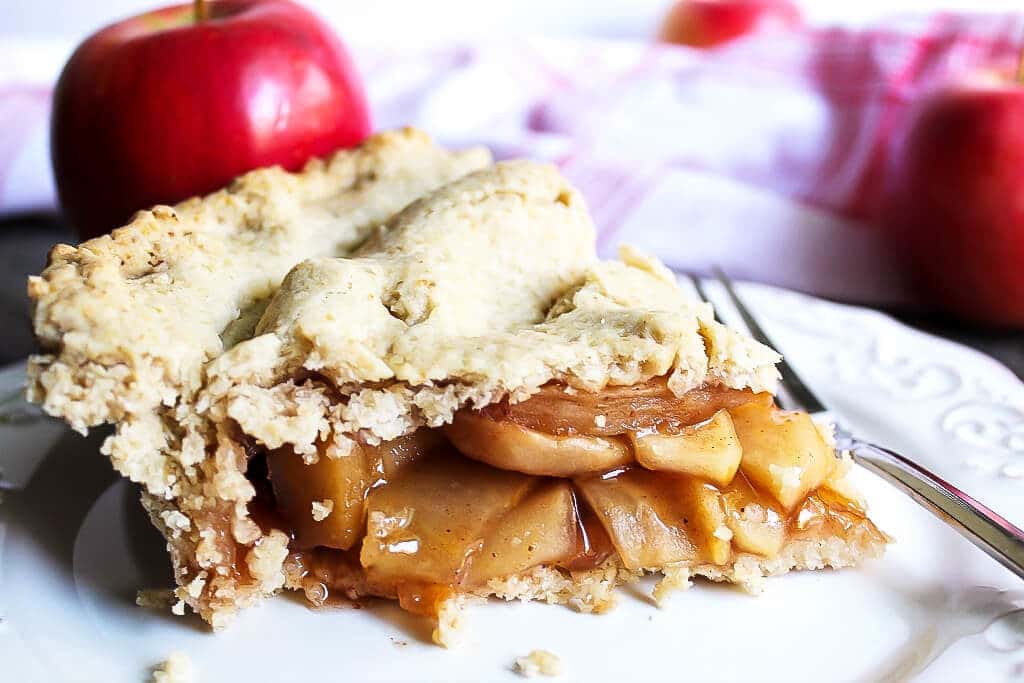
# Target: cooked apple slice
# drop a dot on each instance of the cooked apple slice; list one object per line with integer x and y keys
{"x": 512, "y": 447}
{"x": 325, "y": 501}
{"x": 839, "y": 483}
{"x": 337, "y": 484}
{"x": 643, "y": 513}
{"x": 692, "y": 507}
{"x": 757, "y": 527}
{"x": 423, "y": 525}
{"x": 829, "y": 513}
{"x": 397, "y": 453}
{"x": 543, "y": 528}
{"x": 783, "y": 452}
{"x": 705, "y": 512}
{"x": 709, "y": 450}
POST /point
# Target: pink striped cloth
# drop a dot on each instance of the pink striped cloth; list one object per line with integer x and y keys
{"x": 766, "y": 157}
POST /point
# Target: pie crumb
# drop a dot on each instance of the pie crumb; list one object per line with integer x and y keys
{"x": 673, "y": 579}
{"x": 538, "y": 663}
{"x": 600, "y": 421}
{"x": 177, "y": 668}
{"x": 322, "y": 509}
{"x": 448, "y": 630}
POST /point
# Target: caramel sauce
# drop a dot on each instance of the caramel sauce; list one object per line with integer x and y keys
{"x": 423, "y": 599}
{"x": 331, "y": 577}
{"x": 593, "y": 545}
{"x": 413, "y": 519}
{"x": 264, "y": 508}
{"x": 646, "y": 407}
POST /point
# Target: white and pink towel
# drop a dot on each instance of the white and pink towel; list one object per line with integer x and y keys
{"x": 766, "y": 157}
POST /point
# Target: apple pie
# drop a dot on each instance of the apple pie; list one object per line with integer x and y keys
{"x": 403, "y": 372}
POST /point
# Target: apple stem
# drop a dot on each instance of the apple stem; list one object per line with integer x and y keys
{"x": 199, "y": 10}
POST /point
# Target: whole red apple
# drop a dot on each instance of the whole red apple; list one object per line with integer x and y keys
{"x": 179, "y": 101}
{"x": 955, "y": 210}
{"x": 707, "y": 23}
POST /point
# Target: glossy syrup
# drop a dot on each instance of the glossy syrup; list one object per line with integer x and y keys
{"x": 425, "y": 513}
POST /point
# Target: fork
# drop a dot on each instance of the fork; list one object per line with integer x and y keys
{"x": 981, "y": 526}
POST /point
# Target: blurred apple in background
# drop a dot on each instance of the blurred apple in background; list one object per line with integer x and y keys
{"x": 956, "y": 206}
{"x": 707, "y": 23}
{"x": 179, "y": 101}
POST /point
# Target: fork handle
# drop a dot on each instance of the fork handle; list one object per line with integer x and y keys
{"x": 981, "y": 526}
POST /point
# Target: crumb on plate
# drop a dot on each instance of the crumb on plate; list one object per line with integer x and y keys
{"x": 322, "y": 509}
{"x": 538, "y": 663}
{"x": 177, "y": 668}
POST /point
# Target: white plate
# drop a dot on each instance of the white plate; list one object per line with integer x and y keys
{"x": 74, "y": 547}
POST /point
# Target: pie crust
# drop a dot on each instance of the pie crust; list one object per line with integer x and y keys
{"x": 297, "y": 318}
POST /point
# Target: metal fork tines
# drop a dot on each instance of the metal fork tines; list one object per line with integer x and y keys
{"x": 980, "y": 525}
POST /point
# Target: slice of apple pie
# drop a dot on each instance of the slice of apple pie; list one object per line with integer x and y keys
{"x": 403, "y": 372}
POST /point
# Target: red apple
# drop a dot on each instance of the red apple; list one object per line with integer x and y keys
{"x": 179, "y": 101}
{"x": 955, "y": 210}
{"x": 707, "y": 23}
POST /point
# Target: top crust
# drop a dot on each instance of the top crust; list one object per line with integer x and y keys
{"x": 372, "y": 293}
{"x": 487, "y": 288}
{"x": 131, "y": 318}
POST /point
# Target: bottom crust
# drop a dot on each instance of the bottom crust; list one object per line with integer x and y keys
{"x": 593, "y": 590}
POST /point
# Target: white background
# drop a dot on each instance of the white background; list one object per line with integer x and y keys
{"x": 421, "y": 21}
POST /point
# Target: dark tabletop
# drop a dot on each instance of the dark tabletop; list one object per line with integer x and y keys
{"x": 24, "y": 243}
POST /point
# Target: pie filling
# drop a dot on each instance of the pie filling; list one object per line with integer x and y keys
{"x": 567, "y": 480}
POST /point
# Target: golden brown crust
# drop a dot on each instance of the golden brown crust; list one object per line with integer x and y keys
{"x": 129, "y": 319}
{"x": 447, "y": 306}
